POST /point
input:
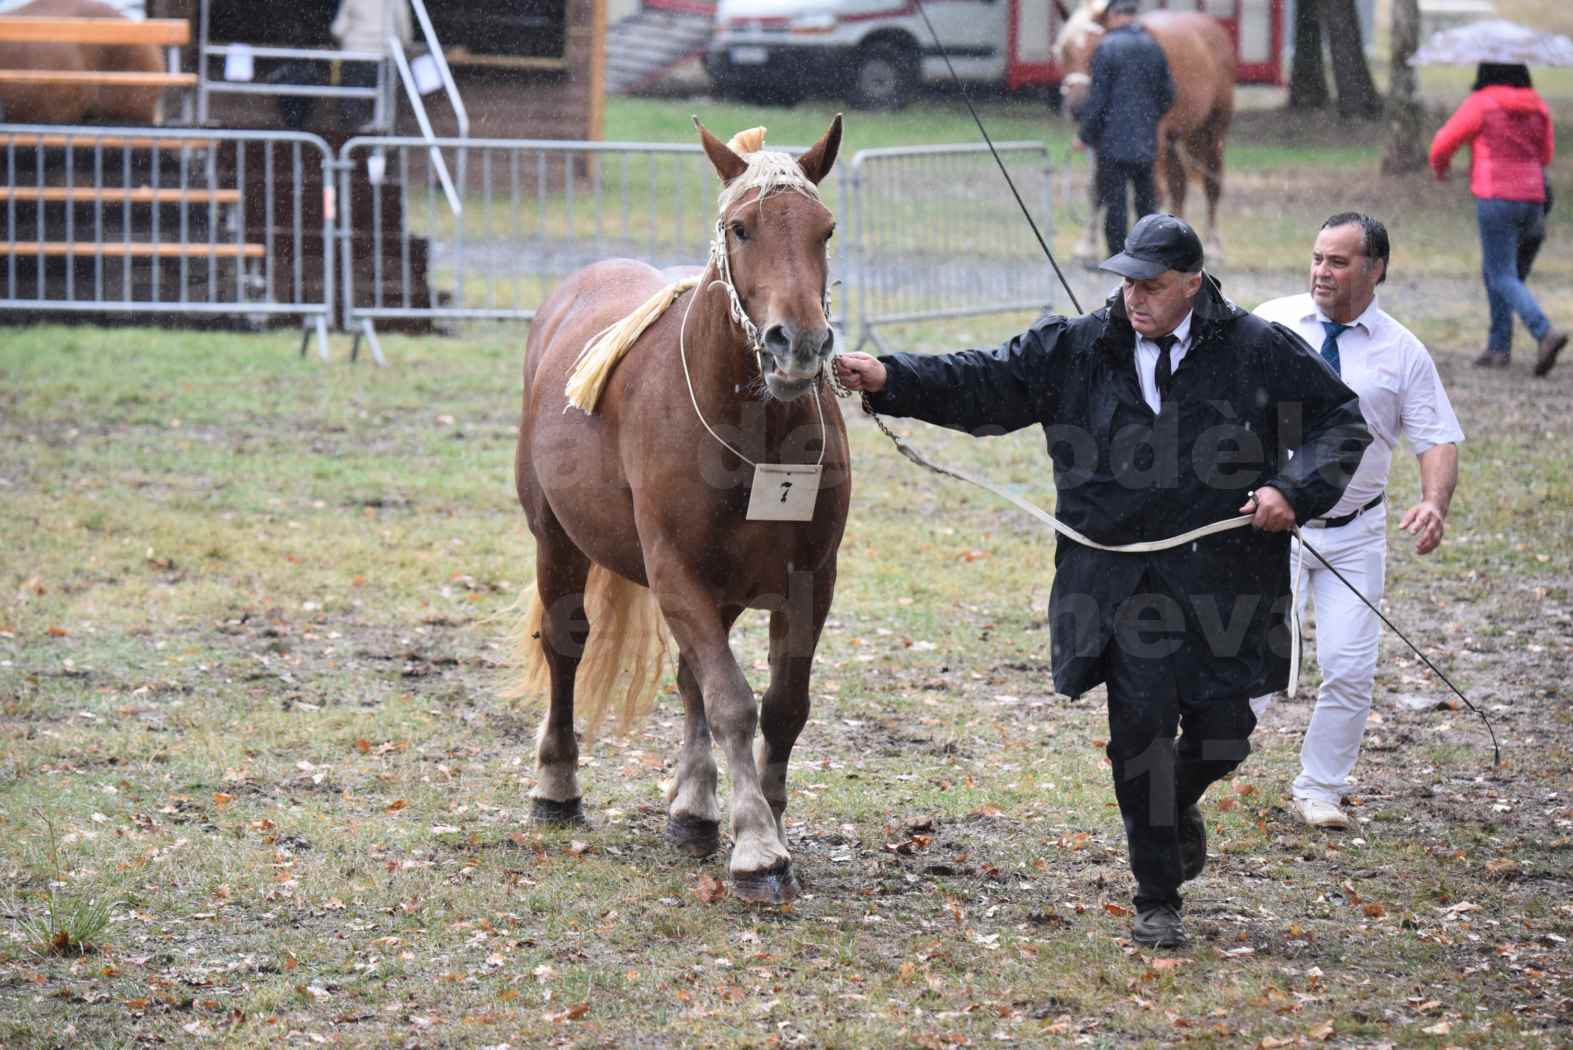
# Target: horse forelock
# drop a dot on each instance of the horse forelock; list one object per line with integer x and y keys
{"x": 769, "y": 172}
{"x": 1082, "y": 24}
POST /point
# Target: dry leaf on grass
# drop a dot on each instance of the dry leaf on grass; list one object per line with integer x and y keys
{"x": 709, "y": 889}
{"x": 573, "y": 1013}
{"x": 1118, "y": 911}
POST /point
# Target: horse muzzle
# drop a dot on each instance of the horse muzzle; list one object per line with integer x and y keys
{"x": 795, "y": 357}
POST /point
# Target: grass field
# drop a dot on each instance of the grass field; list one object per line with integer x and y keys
{"x": 253, "y": 613}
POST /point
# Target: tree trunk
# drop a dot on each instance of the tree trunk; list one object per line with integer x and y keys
{"x": 1307, "y": 78}
{"x": 1406, "y": 150}
{"x": 1357, "y": 95}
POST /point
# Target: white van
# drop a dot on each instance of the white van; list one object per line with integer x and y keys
{"x": 874, "y": 53}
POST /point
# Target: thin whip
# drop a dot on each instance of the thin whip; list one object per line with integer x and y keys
{"x": 984, "y": 132}
{"x": 1496, "y": 748}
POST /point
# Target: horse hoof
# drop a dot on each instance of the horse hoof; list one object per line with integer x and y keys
{"x": 773, "y": 886}
{"x": 557, "y": 814}
{"x": 695, "y": 837}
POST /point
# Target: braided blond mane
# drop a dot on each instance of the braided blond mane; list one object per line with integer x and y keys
{"x": 768, "y": 172}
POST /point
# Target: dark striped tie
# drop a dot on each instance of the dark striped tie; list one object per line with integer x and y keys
{"x": 1330, "y": 344}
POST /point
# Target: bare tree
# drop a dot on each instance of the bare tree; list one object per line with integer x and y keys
{"x": 1406, "y": 150}
{"x": 1357, "y": 94}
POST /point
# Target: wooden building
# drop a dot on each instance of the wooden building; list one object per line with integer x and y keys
{"x": 525, "y": 68}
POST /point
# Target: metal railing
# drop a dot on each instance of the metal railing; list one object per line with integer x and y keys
{"x": 534, "y": 211}
{"x": 377, "y": 93}
{"x": 934, "y": 234}
{"x": 269, "y": 223}
{"x": 141, "y": 221}
{"x": 925, "y": 231}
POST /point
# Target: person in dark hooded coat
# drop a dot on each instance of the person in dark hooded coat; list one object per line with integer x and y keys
{"x": 1167, "y": 409}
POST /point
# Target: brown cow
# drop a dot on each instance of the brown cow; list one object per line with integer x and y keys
{"x": 74, "y": 103}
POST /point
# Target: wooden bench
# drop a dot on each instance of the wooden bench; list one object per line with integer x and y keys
{"x": 160, "y": 32}
{"x": 167, "y": 33}
{"x": 117, "y": 195}
{"x": 135, "y": 249}
{"x": 77, "y": 77}
{"x": 87, "y": 140}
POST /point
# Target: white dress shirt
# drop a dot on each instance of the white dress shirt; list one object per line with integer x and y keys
{"x": 1400, "y": 391}
{"x": 1147, "y": 360}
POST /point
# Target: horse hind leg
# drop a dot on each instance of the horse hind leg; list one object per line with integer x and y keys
{"x": 560, "y": 575}
{"x": 1208, "y": 149}
{"x": 1175, "y": 178}
{"x": 693, "y": 816}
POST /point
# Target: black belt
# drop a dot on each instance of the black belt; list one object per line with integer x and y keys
{"x": 1345, "y": 519}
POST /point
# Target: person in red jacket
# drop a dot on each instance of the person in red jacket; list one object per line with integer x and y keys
{"x": 1508, "y": 129}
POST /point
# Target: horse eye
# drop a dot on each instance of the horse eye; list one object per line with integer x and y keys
{"x": 739, "y": 231}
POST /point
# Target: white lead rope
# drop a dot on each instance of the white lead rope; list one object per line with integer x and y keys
{"x": 1144, "y": 547}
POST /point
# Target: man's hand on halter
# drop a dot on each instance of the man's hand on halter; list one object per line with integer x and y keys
{"x": 1269, "y": 511}
{"x": 860, "y": 372}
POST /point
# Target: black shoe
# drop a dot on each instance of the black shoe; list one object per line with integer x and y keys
{"x": 1159, "y": 927}
{"x": 1493, "y": 359}
{"x": 1193, "y": 841}
{"x": 1551, "y": 345}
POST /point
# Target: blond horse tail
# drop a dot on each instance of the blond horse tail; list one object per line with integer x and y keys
{"x": 624, "y": 658}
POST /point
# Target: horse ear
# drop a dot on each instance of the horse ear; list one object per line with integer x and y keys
{"x": 727, "y": 164}
{"x": 817, "y": 162}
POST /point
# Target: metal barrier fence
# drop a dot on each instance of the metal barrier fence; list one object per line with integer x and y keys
{"x": 141, "y": 221}
{"x": 531, "y": 213}
{"x": 936, "y": 234}
{"x": 258, "y": 224}
{"x": 926, "y": 232}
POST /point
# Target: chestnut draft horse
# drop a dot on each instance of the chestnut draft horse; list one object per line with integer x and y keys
{"x": 646, "y": 405}
{"x": 73, "y": 103}
{"x": 1193, "y": 133}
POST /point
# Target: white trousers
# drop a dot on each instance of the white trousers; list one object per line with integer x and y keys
{"x": 1347, "y": 635}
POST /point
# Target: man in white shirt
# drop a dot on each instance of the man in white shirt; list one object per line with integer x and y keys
{"x": 1400, "y": 395}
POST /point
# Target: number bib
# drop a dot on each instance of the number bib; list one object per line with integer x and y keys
{"x": 784, "y": 492}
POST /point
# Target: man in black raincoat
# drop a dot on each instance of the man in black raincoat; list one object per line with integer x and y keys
{"x": 1168, "y": 409}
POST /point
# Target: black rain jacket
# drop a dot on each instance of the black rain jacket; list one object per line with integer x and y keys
{"x": 1131, "y": 91}
{"x": 1246, "y": 393}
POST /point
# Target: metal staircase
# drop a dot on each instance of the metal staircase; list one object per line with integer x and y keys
{"x": 644, "y": 46}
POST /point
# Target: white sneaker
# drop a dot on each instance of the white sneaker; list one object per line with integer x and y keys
{"x": 1319, "y": 813}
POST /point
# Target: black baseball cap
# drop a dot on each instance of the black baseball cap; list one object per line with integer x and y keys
{"x": 1157, "y": 242}
{"x": 1123, "y": 7}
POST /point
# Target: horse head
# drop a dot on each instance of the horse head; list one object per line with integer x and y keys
{"x": 772, "y": 233}
{"x": 1077, "y": 39}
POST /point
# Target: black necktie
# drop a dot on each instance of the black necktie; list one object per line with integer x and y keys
{"x": 1330, "y": 344}
{"x": 1165, "y": 370}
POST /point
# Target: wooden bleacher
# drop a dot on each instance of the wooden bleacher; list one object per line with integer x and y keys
{"x": 72, "y": 213}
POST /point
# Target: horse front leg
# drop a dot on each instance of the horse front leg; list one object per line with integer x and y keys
{"x": 693, "y": 814}
{"x": 794, "y": 636}
{"x": 760, "y": 865}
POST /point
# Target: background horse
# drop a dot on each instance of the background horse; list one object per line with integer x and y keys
{"x": 72, "y": 103}
{"x": 639, "y": 511}
{"x": 1193, "y": 133}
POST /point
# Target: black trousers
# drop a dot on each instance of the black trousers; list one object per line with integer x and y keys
{"x": 1113, "y": 175}
{"x": 1155, "y": 775}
